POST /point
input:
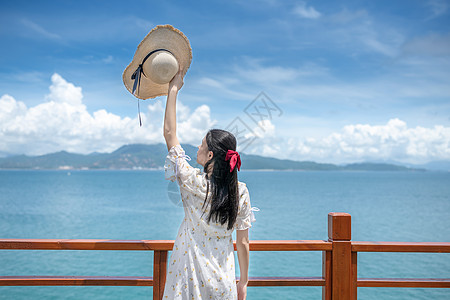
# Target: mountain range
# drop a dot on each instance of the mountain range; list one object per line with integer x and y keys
{"x": 141, "y": 156}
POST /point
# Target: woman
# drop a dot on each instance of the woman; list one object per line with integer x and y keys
{"x": 201, "y": 265}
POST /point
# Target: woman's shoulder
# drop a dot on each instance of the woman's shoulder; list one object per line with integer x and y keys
{"x": 240, "y": 183}
{"x": 242, "y": 187}
{"x": 176, "y": 150}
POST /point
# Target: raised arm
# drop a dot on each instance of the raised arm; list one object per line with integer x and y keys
{"x": 170, "y": 117}
{"x": 243, "y": 247}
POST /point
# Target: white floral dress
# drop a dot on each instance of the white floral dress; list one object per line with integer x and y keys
{"x": 202, "y": 264}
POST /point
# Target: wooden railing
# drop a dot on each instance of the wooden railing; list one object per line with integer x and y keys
{"x": 339, "y": 279}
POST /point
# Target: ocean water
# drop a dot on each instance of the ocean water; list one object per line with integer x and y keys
{"x": 385, "y": 206}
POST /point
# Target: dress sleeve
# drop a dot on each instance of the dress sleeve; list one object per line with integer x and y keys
{"x": 245, "y": 213}
{"x": 176, "y": 167}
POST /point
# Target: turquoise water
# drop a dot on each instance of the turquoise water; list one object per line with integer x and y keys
{"x": 385, "y": 206}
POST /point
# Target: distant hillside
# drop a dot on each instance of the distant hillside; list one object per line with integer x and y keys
{"x": 126, "y": 157}
{"x": 260, "y": 162}
{"x": 374, "y": 167}
{"x": 140, "y": 156}
{"x": 435, "y": 166}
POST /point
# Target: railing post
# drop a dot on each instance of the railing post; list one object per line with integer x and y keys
{"x": 340, "y": 234}
{"x": 354, "y": 275}
{"x": 326, "y": 274}
{"x": 159, "y": 273}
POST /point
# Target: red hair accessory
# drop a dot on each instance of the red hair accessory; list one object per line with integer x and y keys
{"x": 234, "y": 159}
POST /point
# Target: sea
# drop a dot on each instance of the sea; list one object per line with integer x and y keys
{"x": 294, "y": 205}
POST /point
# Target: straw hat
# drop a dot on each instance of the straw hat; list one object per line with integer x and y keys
{"x": 158, "y": 58}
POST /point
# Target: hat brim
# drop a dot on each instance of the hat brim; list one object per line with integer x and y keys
{"x": 161, "y": 37}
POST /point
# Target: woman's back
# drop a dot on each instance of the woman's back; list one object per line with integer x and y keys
{"x": 202, "y": 262}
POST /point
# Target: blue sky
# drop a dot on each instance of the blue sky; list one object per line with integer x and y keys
{"x": 353, "y": 80}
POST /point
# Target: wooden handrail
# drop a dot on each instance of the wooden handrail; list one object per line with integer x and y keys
{"x": 163, "y": 245}
{"x": 54, "y": 244}
{"x": 285, "y": 281}
{"x": 405, "y": 282}
{"x": 339, "y": 262}
{"x": 142, "y": 281}
{"x": 401, "y": 247}
{"x": 75, "y": 280}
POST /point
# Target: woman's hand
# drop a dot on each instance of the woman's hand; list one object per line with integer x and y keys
{"x": 176, "y": 82}
{"x": 241, "y": 290}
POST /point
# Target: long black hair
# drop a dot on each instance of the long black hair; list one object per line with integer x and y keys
{"x": 224, "y": 197}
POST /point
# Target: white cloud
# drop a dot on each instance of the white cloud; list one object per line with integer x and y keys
{"x": 28, "y": 77}
{"x": 305, "y": 11}
{"x": 210, "y": 82}
{"x": 364, "y": 142}
{"x": 359, "y": 32}
{"x": 108, "y": 59}
{"x": 270, "y": 143}
{"x": 196, "y": 125}
{"x": 432, "y": 44}
{"x": 393, "y": 141}
{"x": 265, "y": 129}
{"x": 254, "y": 73}
{"x": 346, "y": 16}
{"x": 83, "y": 28}
{"x": 64, "y": 92}
{"x": 374, "y": 43}
{"x": 272, "y": 74}
{"x": 220, "y": 86}
{"x": 438, "y": 7}
{"x": 40, "y": 30}
{"x": 9, "y": 108}
{"x": 266, "y": 142}
{"x": 63, "y": 122}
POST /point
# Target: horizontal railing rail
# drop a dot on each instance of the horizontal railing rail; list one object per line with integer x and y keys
{"x": 339, "y": 278}
{"x": 418, "y": 247}
{"x": 54, "y": 244}
{"x": 405, "y": 282}
{"x": 75, "y": 280}
{"x": 162, "y": 245}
